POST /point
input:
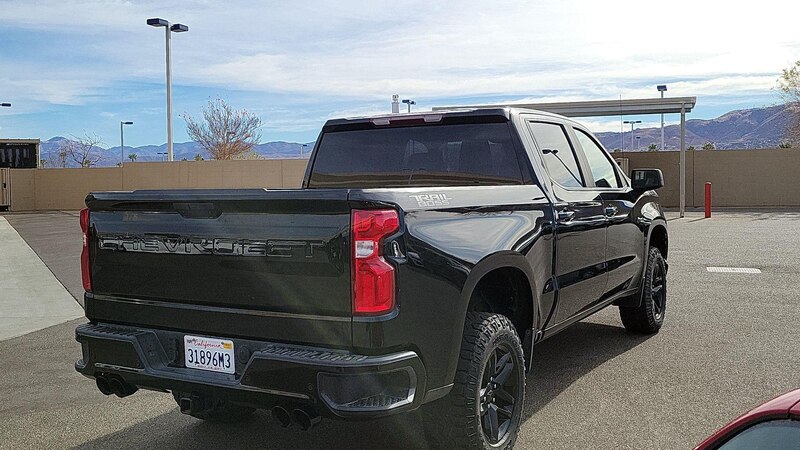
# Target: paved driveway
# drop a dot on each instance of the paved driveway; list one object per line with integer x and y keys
{"x": 729, "y": 343}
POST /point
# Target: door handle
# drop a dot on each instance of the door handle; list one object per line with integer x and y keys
{"x": 565, "y": 215}
{"x": 610, "y": 210}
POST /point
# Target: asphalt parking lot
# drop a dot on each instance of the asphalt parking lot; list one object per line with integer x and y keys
{"x": 729, "y": 343}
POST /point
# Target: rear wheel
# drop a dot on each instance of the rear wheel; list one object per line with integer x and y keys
{"x": 648, "y": 317}
{"x": 215, "y": 410}
{"x": 484, "y": 408}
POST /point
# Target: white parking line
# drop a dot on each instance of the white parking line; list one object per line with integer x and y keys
{"x": 733, "y": 269}
{"x": 31, "y": 298}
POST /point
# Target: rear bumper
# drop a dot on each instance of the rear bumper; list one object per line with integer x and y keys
{"x": 337, "y": 383}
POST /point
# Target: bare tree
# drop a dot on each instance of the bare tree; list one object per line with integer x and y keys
{"x": 250, "y": 154}
{"x": 84, "y": 150}
{"x": 224, "y": 132}
{"x": 58, "y": 160}
{"x": 789, "y": 87}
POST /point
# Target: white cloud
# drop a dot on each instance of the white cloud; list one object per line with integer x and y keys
{"x": 431, "y": 51}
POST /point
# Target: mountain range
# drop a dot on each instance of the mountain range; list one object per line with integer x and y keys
{"x": 740, "y": 129}
{"x": 49, "y": 152}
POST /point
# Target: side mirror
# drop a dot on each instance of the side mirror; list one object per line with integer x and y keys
{"x": 646, "y": 179}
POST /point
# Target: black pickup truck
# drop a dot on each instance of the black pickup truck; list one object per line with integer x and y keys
{"x": 417, "y": 268}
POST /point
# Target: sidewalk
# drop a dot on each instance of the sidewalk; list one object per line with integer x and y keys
{"x": 31, "y": 298}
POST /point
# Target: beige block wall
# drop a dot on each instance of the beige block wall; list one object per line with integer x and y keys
{"x": 748, "y": 178}
{"x": 23, "y": 189}
{"x": 739, "y": 178}
{"x": 293, "y": 172}
{"x": 765, "y": 177}
{"x": 59, "y": 189}
{"x": 66, "y": 188}
{"x": 669, "y": 163}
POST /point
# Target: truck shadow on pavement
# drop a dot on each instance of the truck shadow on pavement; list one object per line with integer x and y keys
{"x": 558, "y": 362}
{"x": 568, "y": 356}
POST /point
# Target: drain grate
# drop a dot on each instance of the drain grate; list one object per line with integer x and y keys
{"x": 733, "y": 269}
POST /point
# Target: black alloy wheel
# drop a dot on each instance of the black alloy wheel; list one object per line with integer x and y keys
{"x": 484, "y": 407}
{"x": 498, "y": 394}
{"x": 658, "y": 291}
{"x": 648, "y": 316}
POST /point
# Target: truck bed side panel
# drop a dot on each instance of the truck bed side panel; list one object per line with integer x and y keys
{"x": 442, "y": 246}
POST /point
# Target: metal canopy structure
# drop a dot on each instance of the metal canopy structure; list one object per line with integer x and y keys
{"x": 627, "y": 107}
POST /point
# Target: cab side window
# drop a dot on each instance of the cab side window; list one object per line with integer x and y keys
{"x": 602, "y": 170}
{"x": 557, "y": 153}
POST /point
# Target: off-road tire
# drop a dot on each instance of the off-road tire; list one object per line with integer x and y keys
{"x": 220, "y": 411}
{"x": 455, "y": 421}
{"x": 648, "y": 317}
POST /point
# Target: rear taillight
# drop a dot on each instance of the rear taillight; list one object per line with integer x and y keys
{"x": 373, "y": 277}
{"x": 85, "y": 269}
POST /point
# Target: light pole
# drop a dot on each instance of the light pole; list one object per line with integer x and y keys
{"x": 169, "y": 29}
{"x": 5, "y": 105}
{"x": 662, "y": 88}
{"x": 632, "y": 122}
{"x": 638, "y": 143}
{"x": 409, "y": 102}
{"x": 122, "y": 142}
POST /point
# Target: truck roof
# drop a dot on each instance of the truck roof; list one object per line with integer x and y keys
{"x": 489, "y": 114}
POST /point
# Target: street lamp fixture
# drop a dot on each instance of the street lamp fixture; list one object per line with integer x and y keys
{"x": 662, "y": 88}
{"x": 168, "y": 29}
{"x": 5, "y": 105}
{"x": 122, "y": 141}
{"x": 632, "y": 122}
{"x": 409, "y": 102}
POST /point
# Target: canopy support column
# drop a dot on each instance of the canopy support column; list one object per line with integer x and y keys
{"x": 683, "y": 160}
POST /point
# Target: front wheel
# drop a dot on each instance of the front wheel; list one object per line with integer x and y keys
{"x": 484, "y": 408}
{"x": 648, "y": 317}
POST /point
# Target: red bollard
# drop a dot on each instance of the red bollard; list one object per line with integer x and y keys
{"x": 708, "y": 199}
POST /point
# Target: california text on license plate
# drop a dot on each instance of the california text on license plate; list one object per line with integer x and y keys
{"x": 209, "y": 354}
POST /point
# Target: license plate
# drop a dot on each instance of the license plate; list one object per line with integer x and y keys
{"x": 203, "y": 353}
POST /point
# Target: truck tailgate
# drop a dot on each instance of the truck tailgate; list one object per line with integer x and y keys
{"x": 254, "y": 263}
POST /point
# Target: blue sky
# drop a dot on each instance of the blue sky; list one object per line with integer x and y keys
{"x": 72, "y": 66}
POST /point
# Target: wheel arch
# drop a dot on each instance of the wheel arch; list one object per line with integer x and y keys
{"x": 511, "y": 267}
{"x": 658, "y": 237}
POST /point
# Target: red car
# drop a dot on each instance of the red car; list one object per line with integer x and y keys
{"x": 773, "y": 425}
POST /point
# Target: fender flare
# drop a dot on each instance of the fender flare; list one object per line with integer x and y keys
{"x": 501, "y": 260}
{"x": 658, "y": 222}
